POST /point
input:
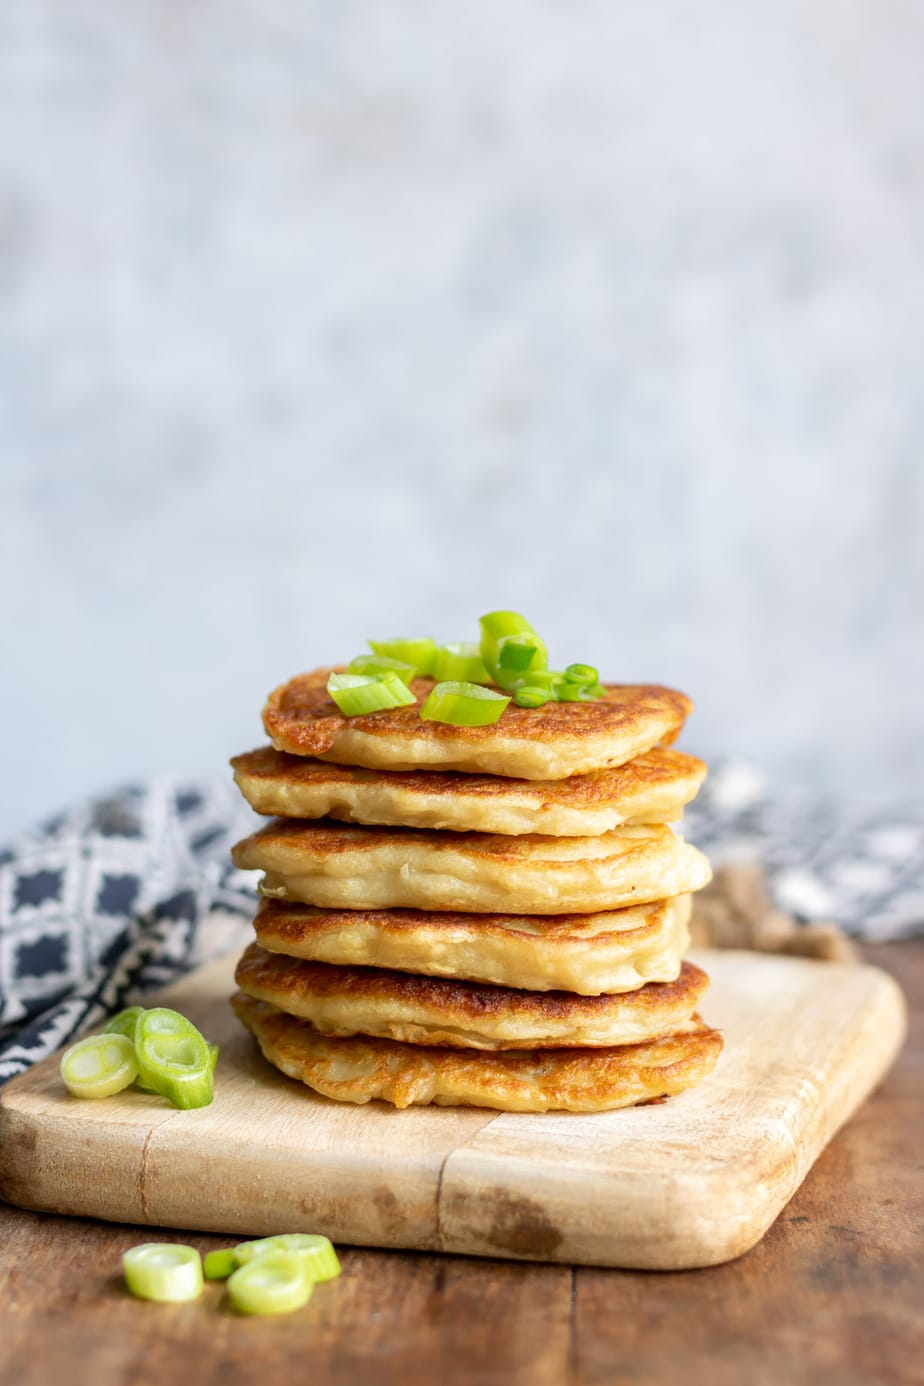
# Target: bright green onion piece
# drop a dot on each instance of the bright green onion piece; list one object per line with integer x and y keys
{"x": 517, "y": 653}
{"x": 463, "y": 705}
{"x": 219, "y": 1264}
{"x": 164, "y": 1272}
{"x": 99, "y": 1065}
{"x": 173, "y": 1058}
{"x": 356, "y": 694}
{"x": 460, "y": 663}
{"x": 382, "y": 664}
{"x": 213, "y": 1055}
{"x": 530, "y": 695}
{"x": 272, "y": 1284}
{"x": 316, "y": 1252}
{"x": 421, "y": 652}
{"x": 567, "y": 692}
{"x": 582, "y": 673}
{"x": 510, "y": 646}
{"x": 124, "y": 1022}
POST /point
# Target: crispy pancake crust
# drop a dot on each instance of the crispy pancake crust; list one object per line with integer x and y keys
{"x": 614, "y": 951}
{"x": 342, "y": 866}
{"x": 546, "y": 743}
{"x": 573, "y": 1080}
{"x": 465, "y": 1015}
{"x": 651, "y": 788}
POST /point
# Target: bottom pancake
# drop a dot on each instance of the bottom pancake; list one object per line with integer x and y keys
{"x": 571, "y": 1080}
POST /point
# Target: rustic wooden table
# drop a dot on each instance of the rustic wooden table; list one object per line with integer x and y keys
{"x": 835, "y": 1291}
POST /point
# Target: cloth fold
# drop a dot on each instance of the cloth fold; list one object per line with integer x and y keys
{"x": 122, "y": 894}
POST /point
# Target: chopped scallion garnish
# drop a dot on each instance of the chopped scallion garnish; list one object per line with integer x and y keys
{"x": 163, "y": 1271}
{"x": 99, "y": 1065}
{"x": 460, "y": 663}
{"x": 463, "y": 705}
{"x": 382, "y": 664}
{"x": 582, "y": 673}
{"x": 421, "y": 652}
{"x": 531, "y": 695}
{"x": 316, "y": 1252}
{"x": 356, "y": 694}
{"x": 510, "y": 647}
{"x": 272, "y": 1284}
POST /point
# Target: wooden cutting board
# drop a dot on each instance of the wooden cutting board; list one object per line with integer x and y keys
{"x": 692, "y": 1182}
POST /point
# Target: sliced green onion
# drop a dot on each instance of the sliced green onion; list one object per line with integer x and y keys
{"x": 99, "y": 1065}
{"x": 213, "y": 1055}
{"x": 567, "y": 692}
{"x": 316, "y": 1252}
{"x": 460, "y": 663}
{"x": 463, "y": 705}
{"x": 272, "y": 1284}
{"x": 356, "y": 694}
{"x": 124, "y": 1022}
{"x": 421, "y": 652}
{"x": 531, "y": 695}
{"x": 510, "y": 646}
{"x": 382, "y": 664}
{"x": 163, "y": 1271}
{"x": 173, "y": 1058}
{"x": 219, "y": 1264}
{"x": 582, "y": 673}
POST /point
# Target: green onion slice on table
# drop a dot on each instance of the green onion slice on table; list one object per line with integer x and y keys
{"x": 460, "y": 663}
{"x": 463, "y": 705}
{"x": 272, "y": 1284}
{"x": 99, "y": 1065}
{"x": 219, "y": 1264}
{"x": 372, "y": 664}
{"x": 316, "y": 1253}
{"x": 356, "y": 694}
{"x": 163, "y": 1271}
{"x": 173, "y": 1058}
{"x": 421, "y": 652}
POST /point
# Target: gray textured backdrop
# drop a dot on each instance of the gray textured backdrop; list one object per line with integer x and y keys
{"x": 325, "y": 320}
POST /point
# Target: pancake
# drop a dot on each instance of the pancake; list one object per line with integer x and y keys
{"x": 545, "y": 743}
{"x": 572, "y": 1080}
{"x": 652, "y": 788}
{"x": 615, "y": 951}
{"x": 465, "y": 1015}
{"x": 342, "y": 866}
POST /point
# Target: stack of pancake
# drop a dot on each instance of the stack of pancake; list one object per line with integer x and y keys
{"x": 485, "y": 916}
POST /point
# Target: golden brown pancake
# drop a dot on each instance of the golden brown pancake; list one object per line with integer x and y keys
{"x": 342, "y": 866}
{"x": 614, "y": 951}
{"x": 573, "y": 1080}
{"x": 465, "y": 1015}
{"x": 545, "y": 743}
{"x": 652, "y": 788}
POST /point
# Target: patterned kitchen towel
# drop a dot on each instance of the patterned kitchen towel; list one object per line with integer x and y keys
{"x": 122, "y": 894}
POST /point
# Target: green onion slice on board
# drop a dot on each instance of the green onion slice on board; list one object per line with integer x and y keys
{"x": 382, "y": 664}
{"x": 124, "y": 1022}
{"x": 463, "y": 705}
{"x": 315, "y": 1252}
{"x": 99, "y": 1065}
{"x": 421, "y": 652}
{"x": 219, "y": 1264}
{"x": 356, "y": 694}
{"x": 272, "y": 1284}
{"x": 460, "y": 663}
{"x": 163, "y": 1271}
{"x": 173, "y": 1058}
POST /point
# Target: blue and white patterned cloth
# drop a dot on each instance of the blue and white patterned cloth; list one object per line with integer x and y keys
{"x": 120, "y": 895}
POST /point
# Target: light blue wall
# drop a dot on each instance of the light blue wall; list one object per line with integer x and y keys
{"x": 325, "y": 320}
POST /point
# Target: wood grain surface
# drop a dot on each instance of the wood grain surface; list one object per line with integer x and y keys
{"x": 832, "y": 1292}
{"x": 692, "y": 1182}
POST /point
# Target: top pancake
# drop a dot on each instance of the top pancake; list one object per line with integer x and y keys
{"x": 545, "y": 743}
{"x": 653, "y": 788}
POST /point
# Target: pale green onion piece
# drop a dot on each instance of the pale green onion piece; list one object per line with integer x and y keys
{"x": 219, "y": 1264}
{"x": 356, "y": 694}
{"x": 316, "y": 1252}
{"x": 164, "y": 1272}
{"x": 382, "y": 664}
{"x": 173, "y": 1058}
{"x": 124, "y": 1022}
{"x": 213, "y": 1055}
{"x": 530, "y": 695}
{"x": 582, "y": 673}
{"x": 272, "y": 1284}
{"x": 463, "y": 705}
{"x": 460, "y": 663}
{"x": 420, "y": 652}
{"x": 99, "y": 1065}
